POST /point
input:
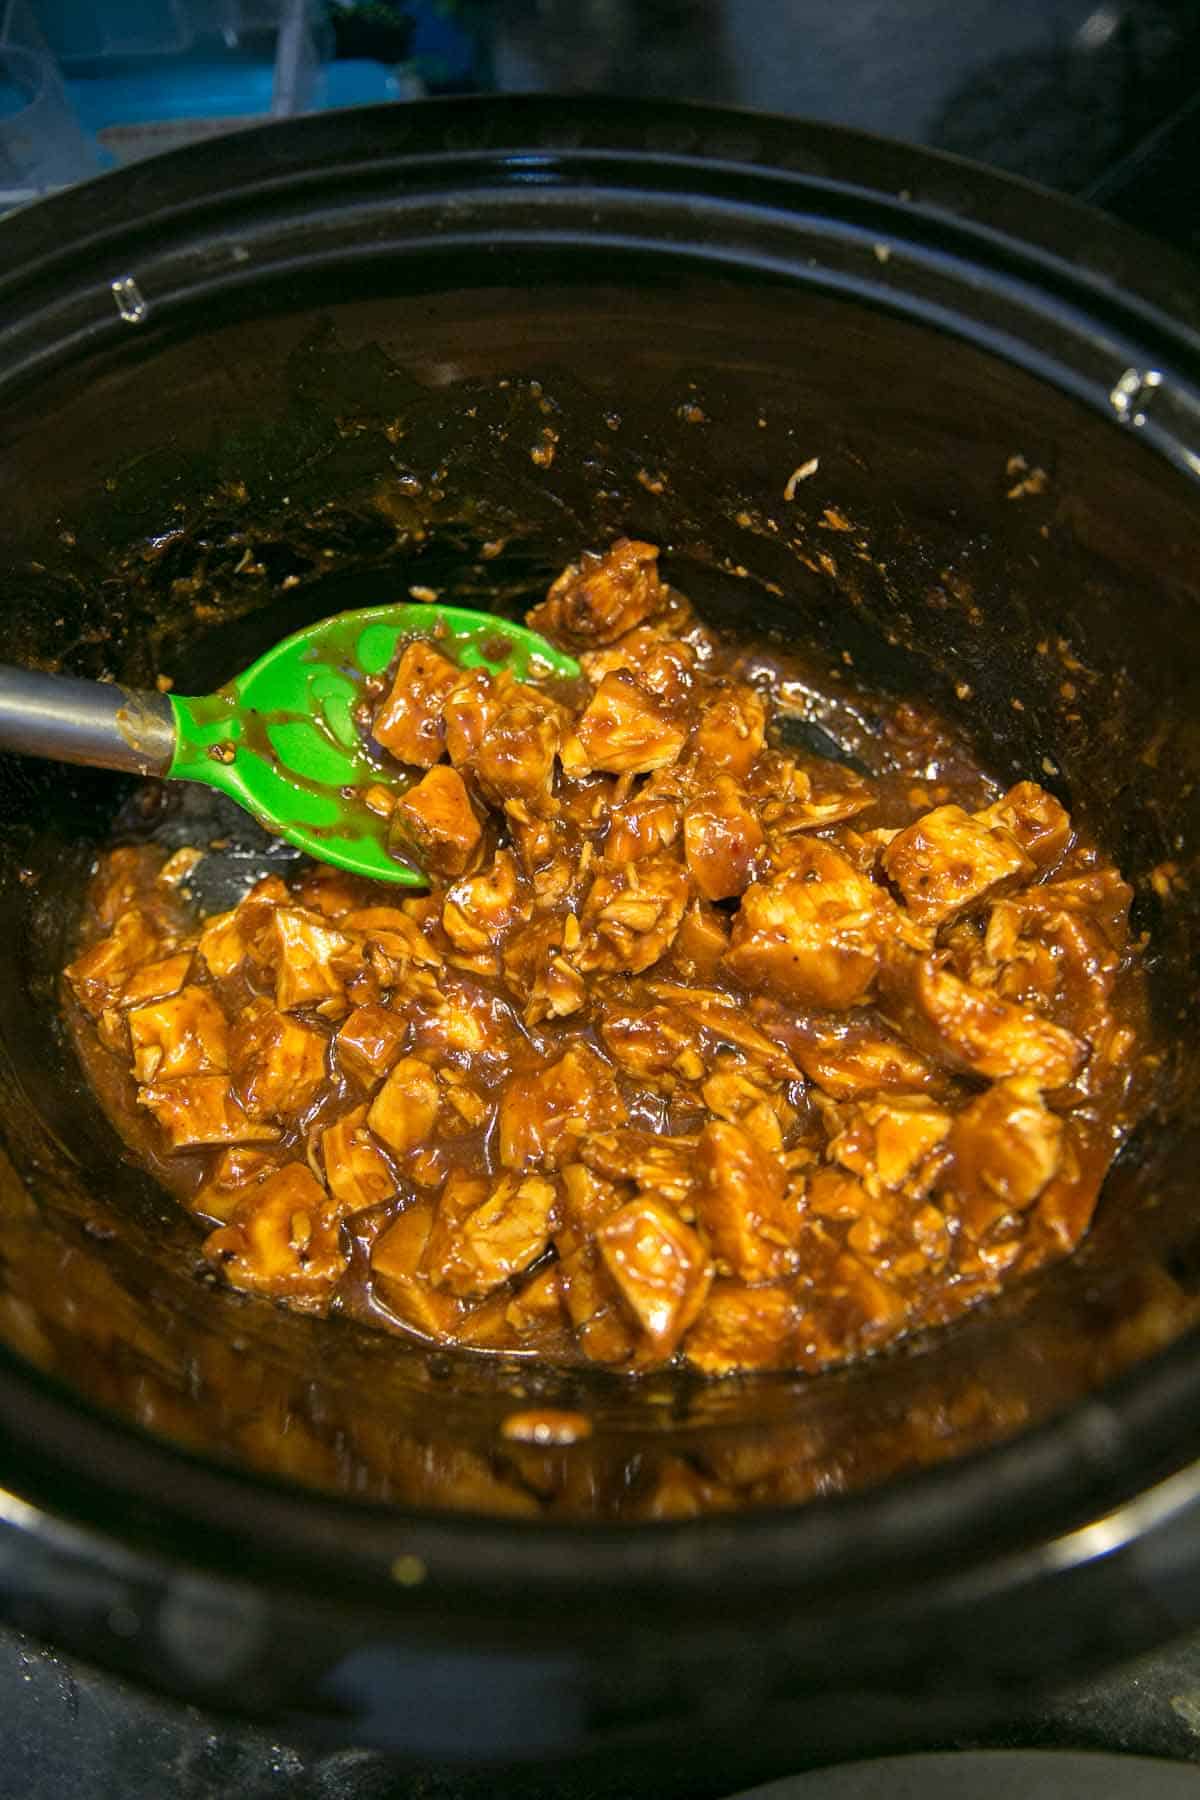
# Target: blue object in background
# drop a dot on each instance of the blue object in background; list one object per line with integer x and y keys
{"x": 128, "y": 92}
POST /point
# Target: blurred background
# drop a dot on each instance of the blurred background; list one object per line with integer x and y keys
{"x": 1101, "y": 100}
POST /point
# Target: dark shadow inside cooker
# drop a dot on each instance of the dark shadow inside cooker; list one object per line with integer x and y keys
{"x": 360, "y": 444}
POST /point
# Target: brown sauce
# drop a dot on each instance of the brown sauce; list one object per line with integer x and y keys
{"x": 702, "y": 1047}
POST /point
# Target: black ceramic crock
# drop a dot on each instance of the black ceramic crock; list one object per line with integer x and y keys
{"x": 306, "y": 367}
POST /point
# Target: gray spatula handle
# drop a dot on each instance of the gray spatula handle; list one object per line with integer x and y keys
{"x": 93, "y": 722}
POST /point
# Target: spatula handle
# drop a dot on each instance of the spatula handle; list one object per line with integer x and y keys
{"x": 92, "y": 722}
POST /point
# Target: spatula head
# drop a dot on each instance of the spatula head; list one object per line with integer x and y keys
{"x": 281, "y": 739}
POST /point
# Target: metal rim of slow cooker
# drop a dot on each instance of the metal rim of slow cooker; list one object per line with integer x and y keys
{"x": 1072, "y": 297}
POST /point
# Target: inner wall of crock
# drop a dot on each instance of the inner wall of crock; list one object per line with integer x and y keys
{"x": 359, "y": 446}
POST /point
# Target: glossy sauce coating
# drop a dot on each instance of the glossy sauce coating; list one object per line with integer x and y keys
{"x": 698, "y": 1048}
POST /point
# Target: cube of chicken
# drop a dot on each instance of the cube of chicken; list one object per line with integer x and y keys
{"x": 741, "y": 1204}
{"x": 731, "y": 731}
{"x": 593, "y": 1303}
{"x": 587, "y": 1200}
{"x": 661, "y": 1269}
{"x": 234, "y": 1171}
{"x": 876, "y": 1309}
{"x": 624, "y": 729}
{"x": 646, "y": 1041}
{"x": 491, "y": 1235}
{"x": 199, "y": 1110}
{"x": 597, "y": 599}
{"x": 946, "y": 860}
{"x": 98, "y": 976}
{"x": 741, "y": 1327}
{"x": 157, "y": 980}
{"x": 356, "y": 1170}
{"x": 543, "y": 1116}
{"x": 222, "y": 946}
{"x": 1006, "y": 1146}
{"x": 663, "y": 664}
{"x": 231, "y": 939}
{"x": 396, "y": 1276}
{"x": 514, "y": 759}
{"x": 404, "y": 1111}
{"x": 861, "y": 1061}
{"x": 722, "y": 1017}
{"x": 281, "y": 1240}
{"x": 973, "y": 1029}
{"x": 631, "y": 915}
{"x": 1035, "y": 820}
{"x": 816, "y": 935}
{"x": 409, "y": 723}
{"x": 479, "y": 911}
{"x": 589, "y": 1294}
{"x": 700, "y": 942}
{"x": 310, "y": 958}
{"x": 328, "y": 891}
{"x": 888, "y": 1141}
{"x": 277, "y": 1063}
{"x": 645, "y": 824}
{"x": 369, "y": 1041}
{"x": 186, "y": 1034}
{"x": 469, "y": 711}
{"x": 537, "y": 1305}
{"x": 117, "y": 882}
{"x": 722, "y": 838}
{"x": 437, "y": 820}
{"x": 664, "y": 1165}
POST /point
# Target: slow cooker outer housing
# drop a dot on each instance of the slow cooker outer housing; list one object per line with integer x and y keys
{"x": 305, "y": 317}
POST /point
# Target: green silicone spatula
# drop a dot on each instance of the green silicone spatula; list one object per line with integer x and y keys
{"x": 281, "y": 738}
